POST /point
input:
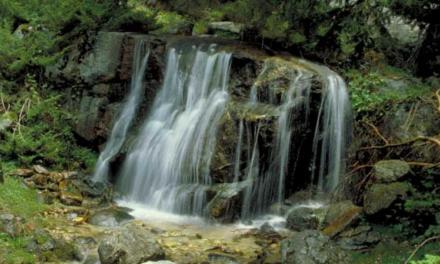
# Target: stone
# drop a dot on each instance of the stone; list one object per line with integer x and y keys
{"x": 101, "y": 89}
{"x": 110, "y": 217}
{"x": 221, "y": 258}
{"x": 226, "y": 26}
{"x": 25, "y": 173}
{"x": 70, "y": 198}
{"x": 91, "y": 111}
{"x": 40, "y": 169}
{"x": 131, "y": 244}
{"x": 10, "y": 224}
{"x": 386, "y": 171}
{"x": 358, "y": 238}
{"x": 226, "y": 197}
{"x": 311, "y": 247}
{"x": 340, "y": 216}
{"x": 302, "y": 218}
{"x": 103, "y": 62}
{"x": 405, "y": 31}
{"x": 381, "y": 196}
{"x": 159, "y": 262}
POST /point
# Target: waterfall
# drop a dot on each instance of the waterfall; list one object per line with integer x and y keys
{"x": 333, "y": 131}
{"x": 168, "y": 167}
{"x": 126, "y": 116}
{"x": 268, "y": 186}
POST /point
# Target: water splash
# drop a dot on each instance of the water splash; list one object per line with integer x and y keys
{"x": 168, "y": 168}
{"x": 125, "y": 118}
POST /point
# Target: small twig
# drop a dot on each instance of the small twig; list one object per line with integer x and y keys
{"x": 377, "y": 132}
{"x": 420, "y": 246}
{"x": 430, "y": 139}
{"x": 27, "y": 103}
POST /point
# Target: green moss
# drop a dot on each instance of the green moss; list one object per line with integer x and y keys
{"x": 428, "y": 259}
{"x": 373, "y": 89}
{"x": 13, "y": 250}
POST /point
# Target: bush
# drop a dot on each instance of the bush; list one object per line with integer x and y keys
{"x": 39, "y": 131}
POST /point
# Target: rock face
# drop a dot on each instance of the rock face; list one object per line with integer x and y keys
{"x": 303, "y": 218}
{"x": 382, "y": 196}
{"x": 311, "y": 247}
{"x": 130, "y": 245}
{"x": 340, "y": 216}
{"x": 390, "y": 170}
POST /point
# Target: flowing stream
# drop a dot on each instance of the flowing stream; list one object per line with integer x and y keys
{"x": 128, "y": 112}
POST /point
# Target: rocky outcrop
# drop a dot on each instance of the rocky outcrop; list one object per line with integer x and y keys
{"x": 129, "y": 245}
{"x": 382, "y": 196}
{"x": 311, "y": 247}
{"x": 340, "y": 216}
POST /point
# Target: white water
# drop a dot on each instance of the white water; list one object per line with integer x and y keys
{"x": 125, "y": 118}
{"x": 332, "y": 131}
{"x": 168, "y": 168}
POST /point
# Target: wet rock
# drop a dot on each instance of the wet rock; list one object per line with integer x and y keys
{"x": 40, "y": 169}
{"x": 298, "y": 197}
{"x": 91, "y": 111}
{"x": 311, "y": 247}
{"x": 109, "y": 217}
{"x": 382, "y": 196}
{"x": 302, "y": 218}
{"x": 358, "y": 238}
{"x": 49, "y": 249}
{"x": 340, "y": 216}
{"x": 84, "y": 247}
{"x": 227, "y": 28}
{"x": 10, "y": 224}
{"x": 221, "y": 258}
{"x": 226, "y": 198}
{"x": 159, "y": 262}
{"x": 386, "y": 171}
{"x": 130, "y": 244}
{"x": 72, "y": 199}
{"x": 25, "y": 173}
{"x": 102, "y": 63}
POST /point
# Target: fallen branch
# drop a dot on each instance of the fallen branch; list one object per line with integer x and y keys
{"x": 377, "y": 132}
{"x": 420, "y": 246}
{"x": 419, "y": 138}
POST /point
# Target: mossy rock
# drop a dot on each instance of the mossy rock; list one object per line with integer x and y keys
{"x": 390, "y": 170}
{"x": 381, "y": 196}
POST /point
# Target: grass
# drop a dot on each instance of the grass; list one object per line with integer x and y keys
{"x": 19, "y": 200}
{"x": 13, "y": 250}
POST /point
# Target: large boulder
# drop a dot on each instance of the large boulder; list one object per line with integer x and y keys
{"x": 340, "y": 216}
{"x": 109, "y": 217}
{"x": 302, "y": 218}
{"x": 131, "y": 244}
{"x": 382, "y": 196}
{"x": 390, "y": 170}
{"x": 311, "y": 247}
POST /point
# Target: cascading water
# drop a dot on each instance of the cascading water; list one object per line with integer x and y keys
{"x": 268, "y": 186}
{"x": 168, "y": 169}
{"x": 126, "y": 116}
{"x": 169, "y": 165}
{"x": 332, "y": 132}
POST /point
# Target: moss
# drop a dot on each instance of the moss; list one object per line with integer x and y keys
{"x": 19, "y": 200}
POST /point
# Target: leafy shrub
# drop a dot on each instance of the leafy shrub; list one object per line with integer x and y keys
{"x": 39, "y": 130}
{"x": 428, "y": 259}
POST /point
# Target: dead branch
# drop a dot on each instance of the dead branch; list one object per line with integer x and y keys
{"x": 25, "y": 105}
{"x": 420, "y": 246}
{"x": 419, "y": 138}
{"x": 377, "y": 132}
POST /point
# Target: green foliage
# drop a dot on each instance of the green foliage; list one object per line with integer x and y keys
{"x": 372, "y": 89}
{"x": 40, "y": 131}
{"x": 19, "y": 200}
{"x": 170, "y": 22}
{"x": 275, "y": 27}
{"x": 428, "y": 259}
{"x": 35, "y": 41}
{"x": 13, "y": 250}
